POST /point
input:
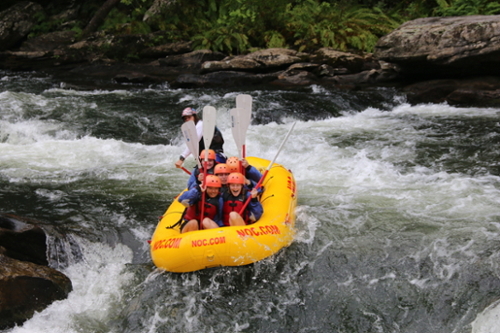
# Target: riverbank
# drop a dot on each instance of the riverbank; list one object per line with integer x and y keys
{"x": 431, "y": 60}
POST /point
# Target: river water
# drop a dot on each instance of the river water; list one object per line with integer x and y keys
{"x": 398, "y": 217}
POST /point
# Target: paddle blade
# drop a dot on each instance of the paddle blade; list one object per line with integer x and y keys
{"x": 188, "y": 130}
{"x": 238, "y": 136}
{"x": 209, "y": 118}
{"x": 244, "y": 103}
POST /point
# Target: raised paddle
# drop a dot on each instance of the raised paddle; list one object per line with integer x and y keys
{"x": 259, "y": 184}
{"x": 244, "y": 104}
{"x": 239, "y": 132}
{"x": 186, "y": 170}
{"x": 209, "y": 115}
{"x": 188, "y": 130}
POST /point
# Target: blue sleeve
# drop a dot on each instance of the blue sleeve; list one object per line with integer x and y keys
{"x": 193, "y": 179}
{"x": 252, "y": 186}
{"x": 190, "y": 197}
{"x": 254, "y": 209}
{"x": 253, "y": 174}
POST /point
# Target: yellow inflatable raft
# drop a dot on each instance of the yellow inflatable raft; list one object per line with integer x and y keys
{"x": 230, "y": 246}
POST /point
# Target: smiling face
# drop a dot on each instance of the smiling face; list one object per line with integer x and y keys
{"x": 235, "y": 189}
{"x": 212, "y": 191}
{"x": 223, "y": 177}
{"x": 210, "y": 163}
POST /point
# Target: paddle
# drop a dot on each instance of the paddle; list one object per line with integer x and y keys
{"x": 259, "y": 184}
{"x": 188, "y": 130}
{"x": 209, "y": 115}
{"x": 237, "y": 130}
{"x": 244, "y": 103}
{"x": 186, "y": 170}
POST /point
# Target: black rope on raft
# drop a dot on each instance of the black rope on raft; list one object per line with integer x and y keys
{"x": 178, "y": 222}
{"x": 270, "y": 196}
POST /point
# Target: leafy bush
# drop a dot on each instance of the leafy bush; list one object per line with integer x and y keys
{"x": 342, "y": 27}
{"x": 224, "y": 27}
{"x": 466, "y": 7}
{"x": 126, "y": 22}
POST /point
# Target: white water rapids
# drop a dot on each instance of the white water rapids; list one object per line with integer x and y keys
{"x": 398, "y": 226}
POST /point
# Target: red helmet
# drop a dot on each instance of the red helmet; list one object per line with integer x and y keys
{"x": 213, "y": 181}
{"x": 188, "y": 112}
{"x": 233, "y": 163}
{"x": 236, "y": 178}
{"x": 221, "y": 168}
{"x": 211, "y": 154}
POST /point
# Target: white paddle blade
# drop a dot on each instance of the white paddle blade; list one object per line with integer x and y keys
{"x": 239, "y": 139}
{"x": 209, "y": 119}
{"x": 244, "y": 102}
{"x": 191, "y": 138}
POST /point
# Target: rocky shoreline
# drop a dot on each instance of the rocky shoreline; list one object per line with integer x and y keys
{"x": 27, "y": 283}
{"x": 432, "y": 60}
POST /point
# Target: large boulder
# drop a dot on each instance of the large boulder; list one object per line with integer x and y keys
{"x": 353, "y": 63}
{"x": 49, "y": 41}
{"x": 16, "y": 23}
{"x": 276, "y": 58}
{"x": 23, "y": 241}
{"x": 26, "y": 287}
{"x": 166, "y": 49}
{"x": 27, "y": 284}
{"x": 438, "y": 47}
{"x": 222, "y": 78}
{"x": 193, "y": 59}
{"x": 262, "y": 61}
{"x": 478, "y": 91}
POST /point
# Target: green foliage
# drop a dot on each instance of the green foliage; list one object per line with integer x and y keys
{"x": 137, "y": 3}
{"x": 240, "y": 26}
{"x": 122, "y": 22}
{"x": 466, "y": 7}
{"x": 413, "y": 9}
{"x": 224, "y": 26}
{"x": 222, "y": 39}
{"x": 43, "y": 25}
{"x": 274, "y": 39}
{"x": 342, "y": 27}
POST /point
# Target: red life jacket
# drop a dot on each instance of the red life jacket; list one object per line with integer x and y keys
{"x": 193, "y": 212}
{"x": 233, "y": 204}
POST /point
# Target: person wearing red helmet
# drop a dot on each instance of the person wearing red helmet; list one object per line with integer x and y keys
{"x": 235, "y": 199}
{"x": 252, "y": 175}
{"x": 217, "y": 140}
{"x": 221, "y": 170}
{"x": 192, "y": 199}
{"x": 196, "y": 176}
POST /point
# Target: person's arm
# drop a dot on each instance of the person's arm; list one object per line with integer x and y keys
{"x": 193, "y": 178}
{"x": 252, "y": 173}
{"x": 255, "y": 209}
{"x": 189, "y": 197}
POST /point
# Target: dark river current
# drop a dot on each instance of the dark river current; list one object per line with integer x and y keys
{"x": 398, "y": 217}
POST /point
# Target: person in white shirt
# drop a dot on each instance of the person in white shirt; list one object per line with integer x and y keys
{"x": 217, "y": 140}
